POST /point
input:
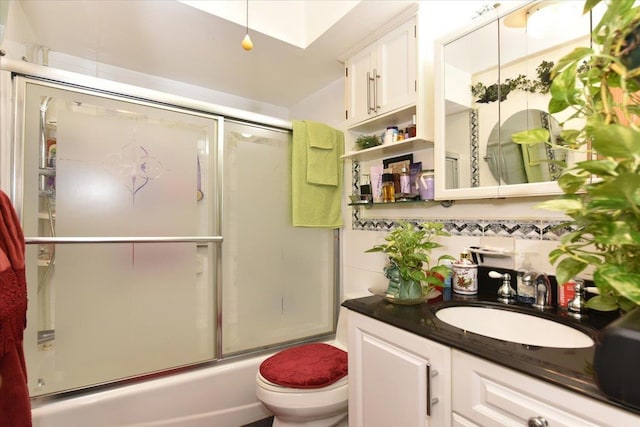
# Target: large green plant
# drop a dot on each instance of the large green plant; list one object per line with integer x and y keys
{"x": 600, "y": 85}
{"x": 409, "y": 249}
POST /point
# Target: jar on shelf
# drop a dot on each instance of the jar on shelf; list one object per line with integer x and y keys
{"x": 391, "y": 135}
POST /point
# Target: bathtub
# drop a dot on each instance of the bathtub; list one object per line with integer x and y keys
{"x": 222, "y": 395}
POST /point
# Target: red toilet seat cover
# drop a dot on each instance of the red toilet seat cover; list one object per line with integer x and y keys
{"x": 312, "y": 365}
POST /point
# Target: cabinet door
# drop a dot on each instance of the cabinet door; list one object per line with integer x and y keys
{"x": 360, "y": 83}
{"x": 392, "y": 377}
{"x": 396, "y": 67}
{"x": 491, "y": 395}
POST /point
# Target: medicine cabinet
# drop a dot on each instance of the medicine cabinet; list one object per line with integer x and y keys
{"x": 492, "y": 79}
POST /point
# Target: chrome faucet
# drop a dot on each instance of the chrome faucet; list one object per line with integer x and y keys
{"x": 544, "y": 296}
{"x": 577, "y": 308}
{"x": 506, "y": 294}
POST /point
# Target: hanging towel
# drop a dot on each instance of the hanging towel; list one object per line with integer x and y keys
{"x": 315, "y": 204}
{"x": 14, "y": 393}
{"x": 535, "y": 162}
{"x": 323, "y": 159}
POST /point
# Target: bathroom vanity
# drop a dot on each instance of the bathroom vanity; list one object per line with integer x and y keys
{"x": 408, "y": 366}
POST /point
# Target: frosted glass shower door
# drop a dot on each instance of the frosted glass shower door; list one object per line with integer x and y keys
{"x": 127, "y": 198}
{"x": 278, "y": 280}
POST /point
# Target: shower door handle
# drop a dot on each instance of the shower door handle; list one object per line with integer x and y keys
{"x": 168, "y": 239}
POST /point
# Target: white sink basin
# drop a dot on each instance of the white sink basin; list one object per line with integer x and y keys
{"x": 514, "y": 327}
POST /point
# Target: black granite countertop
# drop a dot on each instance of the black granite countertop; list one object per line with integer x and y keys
{"x": 570, "y": 368}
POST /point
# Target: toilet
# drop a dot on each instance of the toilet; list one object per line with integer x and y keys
{"x": 299, "y": 390}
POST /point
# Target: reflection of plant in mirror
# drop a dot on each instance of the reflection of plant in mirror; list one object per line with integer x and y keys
{"x": 602, "y": 195}
{"x": 491, "y": 93}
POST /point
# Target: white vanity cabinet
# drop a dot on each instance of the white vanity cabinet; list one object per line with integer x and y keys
{"x": 486, "y": 394}
{"x": 396, "y": 378}
{"x": 382, "y": 77}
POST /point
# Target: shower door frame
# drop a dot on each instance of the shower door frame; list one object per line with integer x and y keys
{"x": 20, "y": 71}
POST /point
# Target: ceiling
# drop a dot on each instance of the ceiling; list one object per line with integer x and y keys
{"x": 175, "y": 41}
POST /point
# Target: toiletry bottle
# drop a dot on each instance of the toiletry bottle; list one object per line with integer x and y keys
{"x": 405, "y": 181}
{"x": 376, "y": 182}
{"x": 388, "y": 188}
{"x": 465, "y": 275}
{"x": 365, "y": 189}
{"x": 447, "y": 278}
{"x": 567, "y": 291}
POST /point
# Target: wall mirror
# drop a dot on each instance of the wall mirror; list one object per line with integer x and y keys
{"x": 492, "y": 79}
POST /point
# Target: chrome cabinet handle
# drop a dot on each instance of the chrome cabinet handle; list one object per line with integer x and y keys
{"x": 537, "y": 422}
{"x": 369, "y": 108}
{"x": 430, "y": 400}
{"x": 375, "y": 90}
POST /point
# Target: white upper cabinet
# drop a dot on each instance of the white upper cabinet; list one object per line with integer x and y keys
{"x": 382, "y": 77}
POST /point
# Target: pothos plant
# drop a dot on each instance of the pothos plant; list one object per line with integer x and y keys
{"x": 491, "y": 93}
{"x": 601, "y": 194}
{"x": 408, "y": 248}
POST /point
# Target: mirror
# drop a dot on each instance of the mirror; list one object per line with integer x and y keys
{"x": 492, "y": 80}
{"x": 511, "y": 163}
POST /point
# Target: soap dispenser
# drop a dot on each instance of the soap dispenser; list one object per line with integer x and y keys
{"x": 465, "y": 275}
{"x": 526, "y": 286}
{"x": 525, "y": 280}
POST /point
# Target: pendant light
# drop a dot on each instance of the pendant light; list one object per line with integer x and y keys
{"x": 247, "y": 44}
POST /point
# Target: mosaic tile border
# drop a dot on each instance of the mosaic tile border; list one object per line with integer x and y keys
{"x": 474, "y": 133}
{"x": 529, "y": 230}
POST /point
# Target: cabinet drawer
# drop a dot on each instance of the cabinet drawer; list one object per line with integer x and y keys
{"x": 491, "y": 395}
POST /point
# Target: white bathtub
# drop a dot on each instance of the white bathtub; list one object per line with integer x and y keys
{"x": 222, "y": 396}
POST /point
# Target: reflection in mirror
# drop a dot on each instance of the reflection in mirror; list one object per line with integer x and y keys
{"x": 495, "y": 79}
{"x": 511, "y": 163}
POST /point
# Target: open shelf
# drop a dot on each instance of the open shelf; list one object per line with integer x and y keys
{"x": 410, "y": 144}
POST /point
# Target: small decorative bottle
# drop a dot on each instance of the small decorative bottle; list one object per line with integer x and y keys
{"x": 405, "y": 181}
{"x": 388, "y": 188}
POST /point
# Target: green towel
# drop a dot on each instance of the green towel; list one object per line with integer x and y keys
{"x": 535, "y": 162}
{"x": 315, "y": 205}
{"x": 322, "y": 155}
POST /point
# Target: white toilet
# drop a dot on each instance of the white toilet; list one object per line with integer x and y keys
{"x": 324, "y": 406}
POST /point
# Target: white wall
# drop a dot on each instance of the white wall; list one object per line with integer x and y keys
{"x": 18, "y": 28}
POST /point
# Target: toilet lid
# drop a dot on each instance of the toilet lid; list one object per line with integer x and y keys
{"x": 312, "y": 365}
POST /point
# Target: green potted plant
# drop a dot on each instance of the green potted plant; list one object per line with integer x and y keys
{"x": 409, "y": 268}
{"x": 600, "y": 85}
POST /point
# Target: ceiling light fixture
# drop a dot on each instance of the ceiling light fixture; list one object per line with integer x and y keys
{"x": 247, "y": 44}
{"x": 547, "y": 18}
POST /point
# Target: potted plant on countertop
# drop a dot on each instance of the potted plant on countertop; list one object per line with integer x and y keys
{"x": 602, "y": 194}
{"x": 409, "y": 270}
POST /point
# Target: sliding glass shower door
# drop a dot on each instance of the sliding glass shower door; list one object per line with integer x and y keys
{"x": 278, "y": 281}
{"x": 119, "y": 205}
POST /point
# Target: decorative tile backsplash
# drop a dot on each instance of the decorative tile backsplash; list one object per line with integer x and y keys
{"x": 532, "y": 230}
